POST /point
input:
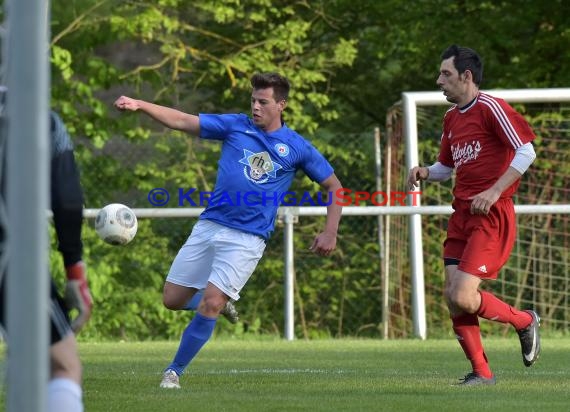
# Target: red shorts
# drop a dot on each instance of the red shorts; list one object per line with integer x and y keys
{"x": 482, "y": 244}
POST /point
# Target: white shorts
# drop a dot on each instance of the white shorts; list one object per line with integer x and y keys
{"x": 218, "y": 254}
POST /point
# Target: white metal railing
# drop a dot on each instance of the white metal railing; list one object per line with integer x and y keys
{"x": 289, "y": 215}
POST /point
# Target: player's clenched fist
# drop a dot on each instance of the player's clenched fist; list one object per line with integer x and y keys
{"x": 127, "y": 103}
{"x": 417, "y": 174}
{"x": 77, "y": 295}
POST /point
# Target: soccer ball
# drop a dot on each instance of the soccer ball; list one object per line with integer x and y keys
{"x": 116, "y": 224}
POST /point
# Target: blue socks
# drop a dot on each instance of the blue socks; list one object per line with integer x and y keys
{"x": 195, "y": 300}
{"x": 193, "y": 338}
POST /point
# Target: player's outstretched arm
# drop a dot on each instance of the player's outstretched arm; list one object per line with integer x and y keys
{"x": 171, "y": 118}
{"x": 325, "y": 242}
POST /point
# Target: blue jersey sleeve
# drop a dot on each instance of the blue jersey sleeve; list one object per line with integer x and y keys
{"x": 218, "y": 126}
{"x": 315, "y": 165}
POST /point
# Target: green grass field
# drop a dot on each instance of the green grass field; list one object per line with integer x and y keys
{"x": 323, "y": 375}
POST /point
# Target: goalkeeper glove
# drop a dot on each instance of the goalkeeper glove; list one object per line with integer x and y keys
{"x": 77, "y": 295}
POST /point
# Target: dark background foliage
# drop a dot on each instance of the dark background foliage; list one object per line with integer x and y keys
{"x": 348, "y": 63}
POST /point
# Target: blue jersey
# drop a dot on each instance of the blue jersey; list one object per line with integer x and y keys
{"x": 255, "y": 170}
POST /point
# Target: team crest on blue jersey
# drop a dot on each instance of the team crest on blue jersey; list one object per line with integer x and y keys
{"x": 282, "y": 149}
{"x": 259, "y": 166}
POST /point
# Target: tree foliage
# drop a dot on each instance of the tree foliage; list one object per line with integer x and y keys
{"x": 348, "y": 63}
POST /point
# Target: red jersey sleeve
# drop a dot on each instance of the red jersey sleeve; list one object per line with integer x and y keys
{"x": 509, "y": 125}
{"x": 445, "y": 156}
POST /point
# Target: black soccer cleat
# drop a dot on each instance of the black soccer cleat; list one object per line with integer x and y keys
{"x": 472, "y": 379}
{"x": 530, "y": 340}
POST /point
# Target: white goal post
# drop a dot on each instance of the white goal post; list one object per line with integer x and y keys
{"x": 410, "y": 102}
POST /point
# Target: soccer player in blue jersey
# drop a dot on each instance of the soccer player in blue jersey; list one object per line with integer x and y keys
{"x": 259, "y": 158}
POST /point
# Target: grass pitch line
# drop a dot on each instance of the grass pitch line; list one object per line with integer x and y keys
{"x": 281, "y": 371}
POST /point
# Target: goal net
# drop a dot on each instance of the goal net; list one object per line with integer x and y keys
{"x": 538, "y": 272}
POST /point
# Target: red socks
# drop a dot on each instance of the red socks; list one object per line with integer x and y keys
{"x": 466, "y": 328}
{"x": 493, "y": 308}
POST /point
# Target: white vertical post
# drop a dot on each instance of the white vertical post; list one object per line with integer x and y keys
{"x": 27, "y": 113}
{"x": 289, "y": 275}
{"x": 386, "y": 263}
{"x": 415, "y": 223}
{"x": 384, "y": 277}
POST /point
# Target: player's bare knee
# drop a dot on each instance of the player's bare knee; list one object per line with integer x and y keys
{"x": 175, "y": 298}
{"x": 454, "y": 299}
{"x": 172, "y": 302}
{"x": 212, "y": 304}
{"x": 166, "y": 303}
{"x": 64, "y": 360}
{"x": 464, "y": 301}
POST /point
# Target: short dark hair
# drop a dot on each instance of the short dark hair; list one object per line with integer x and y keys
{"x": 279, "y": 83}
{"x": 465, "y": 59}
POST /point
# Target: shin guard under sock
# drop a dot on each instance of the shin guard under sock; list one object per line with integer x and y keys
{"x": 468, "y": 333}
{"x": 493, "y": 308}
{"x": 194, "y": 337}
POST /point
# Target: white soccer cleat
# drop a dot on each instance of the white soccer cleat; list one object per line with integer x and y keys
{"x": 170, "y": 380}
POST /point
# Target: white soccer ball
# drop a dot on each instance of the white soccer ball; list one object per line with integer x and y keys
{"x": 116, "y": 224}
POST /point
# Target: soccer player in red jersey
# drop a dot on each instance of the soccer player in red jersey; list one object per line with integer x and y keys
{"x": 489, "y": 145}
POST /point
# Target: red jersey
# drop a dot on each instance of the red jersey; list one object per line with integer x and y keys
{"x": 479, "y": 141}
